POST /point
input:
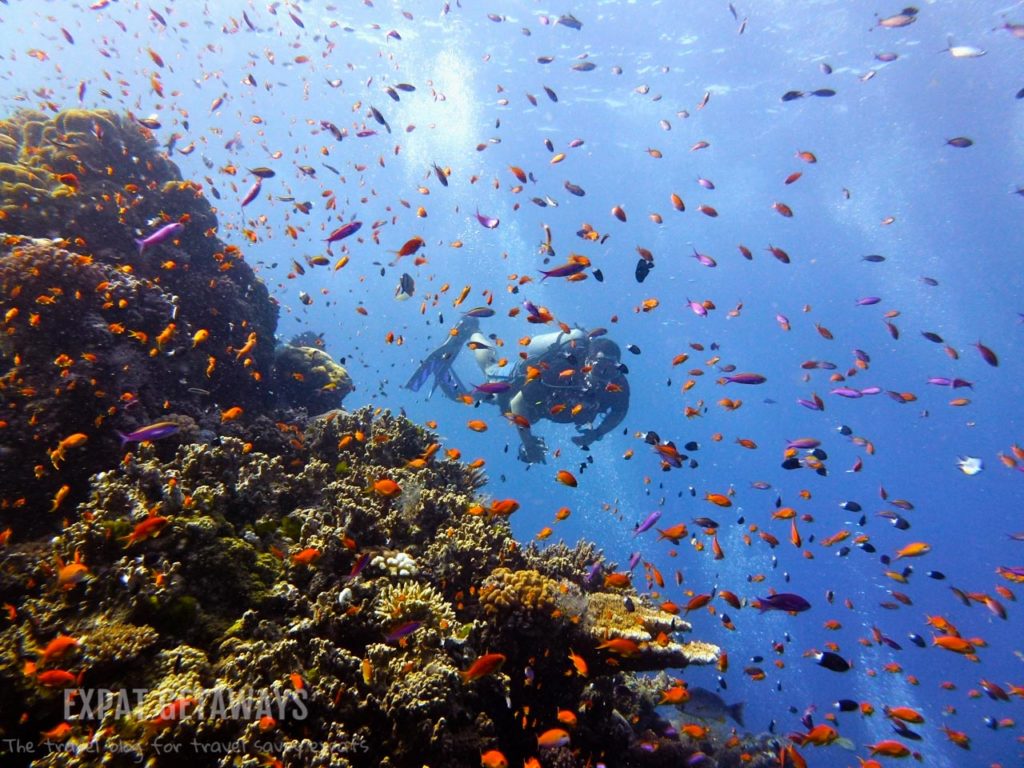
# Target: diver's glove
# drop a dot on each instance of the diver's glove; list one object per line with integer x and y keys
{"x": 533, "y": 450}
{"x": 585, "y": 437}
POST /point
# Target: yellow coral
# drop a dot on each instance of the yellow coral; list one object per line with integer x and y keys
{"x": 507, "y": 590}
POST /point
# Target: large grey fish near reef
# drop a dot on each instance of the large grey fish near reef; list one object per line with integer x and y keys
{"x": 707, "y": 705}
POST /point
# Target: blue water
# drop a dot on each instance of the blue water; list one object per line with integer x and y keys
{"x": 882, "y": 139}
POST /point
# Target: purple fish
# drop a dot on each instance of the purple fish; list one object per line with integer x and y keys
{"x": 493, "y": 387}
{"x": 253, "y": 191}
{"x": 706, "y": 183}
{"x": 530, "y": 307}
{"x": 359, "y": 565}
{"x": 743, "y": 378}
{"x": 803, "y": 443}
{"x": 957, "y": 383}
{"x": 163, "y": 234}
{"x": 940, "y": 381}
{"x": 861, "y": 355}
{"x": 813, "y": 405}
{"x": 849, "y": 392}
{"x": 402, "y": 630}
{"x": 782, "y": 601}
{"x": 871, "y": 390}
{"x": 697, "y": 308}
{"x": 489, "y": 222}
{"x": 344, "y": 231}
{"x": 867, "y": 301}
{"x": 704, "y": 259}
{"x": 634, "y": 561}
{"x": 565, "y": 270}
{"x": 155, "y": 431}
{"x": 648, "y": 522}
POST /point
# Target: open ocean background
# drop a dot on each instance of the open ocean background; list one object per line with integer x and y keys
{"x": 882, "y": 137}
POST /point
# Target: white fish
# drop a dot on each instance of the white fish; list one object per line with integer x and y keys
{"x": 964, "y": 51}
{"x": 969, "y": 465}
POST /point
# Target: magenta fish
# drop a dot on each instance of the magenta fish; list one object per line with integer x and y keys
{"x": 565, "y": 270}
{"x": 155, "y": 431}
{"x": 163, "y": 234}
{"x": 803, "y": 443}
{"x": 848, "y": 392}
{"x": 253, "y": 191}
{"x": 344, "y": 231}
{"x": 782, "y": 601}
{"x": 489, "y": 222}
{"x": 402, "y": 630}
{"x": 697, "y": 308}
{"x": 704, "y": 259}
{"x": 867, "y": 301}
{"x": 492, "y": 387}
{"x": 743, "y": 378}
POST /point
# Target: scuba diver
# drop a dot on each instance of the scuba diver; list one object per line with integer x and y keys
{"x": 568, "y": 378}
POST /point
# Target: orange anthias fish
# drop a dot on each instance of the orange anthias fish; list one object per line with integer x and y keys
{"x": 410, "y": 247}
{"x": 566, "y": 478}
{"x": 485, "y": 665}
{"x": 387, "y": 488}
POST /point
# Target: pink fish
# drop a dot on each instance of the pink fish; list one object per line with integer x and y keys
{"x": 488, "y": 222}
{"x": 163, "y": 234}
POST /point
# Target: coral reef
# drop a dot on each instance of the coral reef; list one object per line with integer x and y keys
{"x": 309, "y": 378}
{"x": 101, "y": 335}
{"x": 255, "y": 578}
{"x": 236, "y": 592}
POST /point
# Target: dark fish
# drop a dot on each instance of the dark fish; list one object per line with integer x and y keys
{"x": 823, "y": 92}
{"x": 574, "y": 189}
{"x": 917, "y": 640}
{"x": 847, "y": 705}
{"x": 392, "y": 93}
{"x": 874, "y": 258}
{"x": 708, "y": 705}
{"x": 933, "y": 337}
{"x": 960, "y": 142}
{"x": 643, "y": 268}
{"x": 598, "y": 275}
{"x": 570, "y": 21}
{"x": 551, "y": 94}
{"x": 584, "y": 66}
{"x": 826, "y": 69}
{"x": 262, "y": 172}
{"x": 633, "y": 348}
{"x": 406, "y": 287}
{"x": 705, "y": 522}
{"x": 904, "y": 731}
{"x": 793, "y": 95}
{"x": 379, "y": 118}
{"x": 782, "y": 601}
{"x": 545, "y": 59}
